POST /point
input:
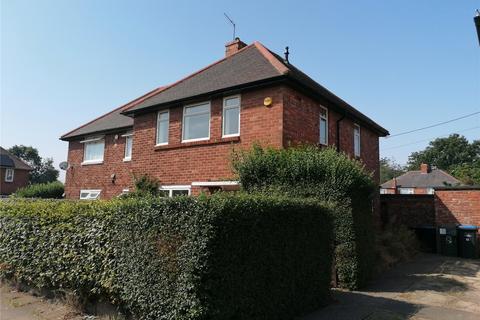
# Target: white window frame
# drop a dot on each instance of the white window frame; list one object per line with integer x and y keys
{"x": 96, "y": 193}
{"x": 357, "y": 154}
{"x": 228, "y": 108}
{"x": 172, "y": 188}
{"x": 85, "y": 143}
{"x": 406, "y": 190}
{"x": 128, "y": 136}
{"x": 158, "y": 127}
{"x": 209, "y": 120}
{"x": 9, "y": 174}
{"x": 320, "y": 127}
{"x": 430, "y": 190}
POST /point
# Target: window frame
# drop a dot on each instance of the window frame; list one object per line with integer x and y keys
{"x": 320, "y": 127}
{"x": 128, "y": 136}
{"x": 411, "y": 190}
{"x": 98, "y": 191}
{"x": 158, "y": 127}
{"x": 228, "y": 108}
{"x": 8, "y": 177}
{"x": 88, "y": 141}
{"x": 172, "y": 188}
{"x": 357, "y": 126}
{"x": 209, "y": 120}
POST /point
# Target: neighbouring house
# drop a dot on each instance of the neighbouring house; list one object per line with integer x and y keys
{"x": 423, "y": 181}
{"x": 14, "y": 173}
{"x": 183, "y": 134}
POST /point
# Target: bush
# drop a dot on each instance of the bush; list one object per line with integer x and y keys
{"x": 224, "y": 257}
{"x": 50, "y": 190}
{"x": 327, "y": 175}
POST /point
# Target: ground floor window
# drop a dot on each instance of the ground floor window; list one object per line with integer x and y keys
{"x": 89, "y": 194}
{"x": 175, "y": 191}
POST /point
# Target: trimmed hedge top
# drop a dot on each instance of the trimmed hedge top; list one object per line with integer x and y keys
{"x": 224, "y": 257}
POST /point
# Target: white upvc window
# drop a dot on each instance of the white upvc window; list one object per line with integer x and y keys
{"x": 356, "y": 140}
{"x": 323, "y": 126}
{"x": 90, "y": 194}
{"x": 383, "y": 191}
{"x": 93, "y": 149}
{"x": 231, "y": 116}
{"x": 9, "y": 174}
{"x": 128, "y": 146}
{"x": 430, "y": 191}
{"x": 196, "y": 122}
{"x": 175, "y": 191}
{"x": 163, "y": 123}
{"x": 406, "y": 190}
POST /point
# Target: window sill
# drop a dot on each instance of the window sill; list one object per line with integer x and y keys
{"x": 8, "y": 181}
{"x": 198, "y": 143}
{"x": 127, "y": 159}
{"x": 87, "y": 163}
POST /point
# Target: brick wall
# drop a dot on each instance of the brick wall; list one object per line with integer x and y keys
{"x": 410, "y": 210}
{"x": 20, "y": 179}
{"x": 292, "y": 118}
{"x": 98, "y": 176}
{"x": 458, "y": 206}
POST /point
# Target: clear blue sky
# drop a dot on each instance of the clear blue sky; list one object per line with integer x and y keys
{"x": 406, "y": 64}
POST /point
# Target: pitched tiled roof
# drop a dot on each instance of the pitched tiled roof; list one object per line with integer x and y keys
{"x": 110, "y": 121}
{"x": 417, "y": 179}
{"x": 252, "y": 64}
{"x": 8, "y": 160}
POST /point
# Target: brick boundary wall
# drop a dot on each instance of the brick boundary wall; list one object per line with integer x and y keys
{"x": 458, "y": 206}
{"x": 408, "y": 209}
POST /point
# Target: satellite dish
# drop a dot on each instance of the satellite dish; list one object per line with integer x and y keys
{"x": 63, "y": 165}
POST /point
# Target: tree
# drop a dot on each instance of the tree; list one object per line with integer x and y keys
{"x": 43, "y": 169}
{"x": 389, "y": 169}
{"x": 468, "y": 173}
{"x": 446, "y": 153}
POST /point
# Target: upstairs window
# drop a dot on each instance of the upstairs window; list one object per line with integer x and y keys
{"x": 89, "y": 194}
{"x": 93, "y": 150}
{"x": 9, "y": 173}
{"x": 323, "y": 126}
{"x": 356, "y": 140}
{"x": 406, "y": 190}
{"x": 128, "y": 146}
{"x": 196, "y": 122}
{"x": 231, "y": 116}
{"x": 163, "y": 121}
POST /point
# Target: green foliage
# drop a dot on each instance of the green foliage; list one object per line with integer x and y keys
{"x": 43, "y": 169}
{"x": 389, "y": 169}
{"x": 146, "y": 185}
{"x": 467, "y": 173}
{"x": 223, "y": 257}
{"x": 445, "y": 153}
{"x": 51, "y": 190}
{"x": 325, "y": 175}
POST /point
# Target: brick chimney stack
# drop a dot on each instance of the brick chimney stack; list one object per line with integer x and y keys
{"x": 233, "y": 46}
{"x": 425, "y": 168}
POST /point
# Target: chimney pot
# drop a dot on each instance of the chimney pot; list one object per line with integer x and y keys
{"x": 425, "y": 168}
{"x": 234, "y": 46}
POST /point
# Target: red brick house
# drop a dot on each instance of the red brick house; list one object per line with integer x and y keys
{"x": 183, "y": 133}
{"x": 14, "y": 173}
{"x": 423, "y": 181}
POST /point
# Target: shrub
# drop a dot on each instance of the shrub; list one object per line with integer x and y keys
{"x": 323, "y": 174}
{"x": 227, "y": 256}
{"x": 50, "y": 190}
{"x": 146, "y": 185}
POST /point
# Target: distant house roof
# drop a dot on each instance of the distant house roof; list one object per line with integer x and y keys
{"x": 112, "y": 120}
{"x": 8, "y": 160}
{"x": 417, "y": 179}
{"x": 252, "y": 65}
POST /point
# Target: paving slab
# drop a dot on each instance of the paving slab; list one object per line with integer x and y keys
{"x": 431, "y": 287}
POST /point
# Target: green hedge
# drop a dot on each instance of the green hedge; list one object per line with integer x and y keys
{"x": 323, "y": 174}
{"x": 50, "y": 190}
{"x": 224, "y": 257}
